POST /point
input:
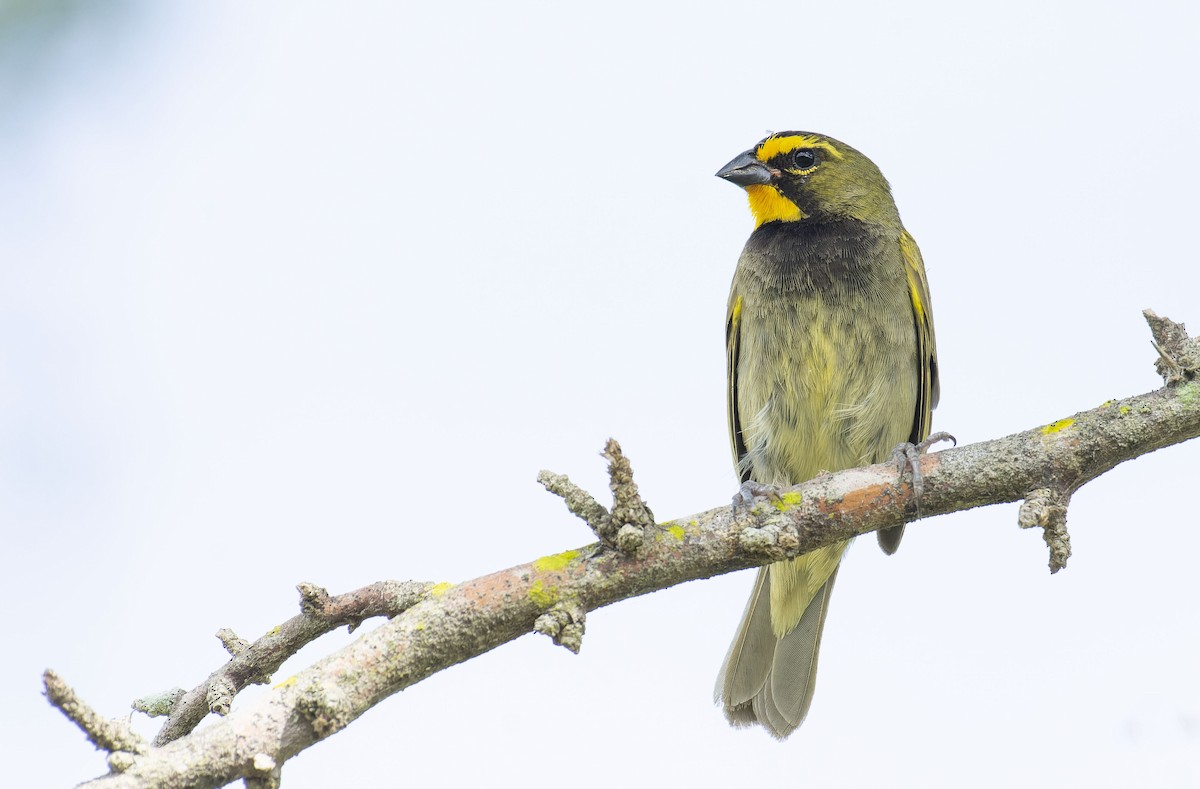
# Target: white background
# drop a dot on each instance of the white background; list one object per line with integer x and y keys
{"x": 283, "y": 284}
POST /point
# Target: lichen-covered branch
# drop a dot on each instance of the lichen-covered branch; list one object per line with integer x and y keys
{"x": 625, "y": 527}
{"x": 578, "y": 501}
{"x": 1046, "y": 508}
{"x": 631, "y": 516}
{"x": 255, "y": 663}
{"x": 109, "y": 735}
{"x": 453, "y": 623}
{"x": 1178, "y": 355}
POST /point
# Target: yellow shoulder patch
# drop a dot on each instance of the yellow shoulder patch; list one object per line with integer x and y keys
{"x": 914, "y": 268}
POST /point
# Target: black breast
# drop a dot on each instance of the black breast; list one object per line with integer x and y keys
{"x": 823, "y": 256}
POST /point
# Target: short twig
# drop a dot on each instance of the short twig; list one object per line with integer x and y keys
{"x": 321, "y": 613}
{"x": 623, "y": 529}
{"x": 1046, "y": 509}
{"x": 233, "y": 645}
{"x": 155, "y": 705}
{"x": 1178, "y": 355}
{"x": 578, "y": 501}
{"x": 564, "y": 623}
{"x": 106, "y": 734}
{"x": 630, "y": 514}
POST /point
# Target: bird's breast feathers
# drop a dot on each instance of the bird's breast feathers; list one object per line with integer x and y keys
{"x": 825, "y": 374}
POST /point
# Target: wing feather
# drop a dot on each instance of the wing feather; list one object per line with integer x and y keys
{"x": 928, "y": 388}
{"x": 733, "y": 343}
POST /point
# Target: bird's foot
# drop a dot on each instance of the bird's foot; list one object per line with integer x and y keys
{"x": 909, "y": 455}
{"x": 751, "y": 490}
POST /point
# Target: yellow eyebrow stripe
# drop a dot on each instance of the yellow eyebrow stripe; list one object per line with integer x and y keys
{"x": 773, "y": 146}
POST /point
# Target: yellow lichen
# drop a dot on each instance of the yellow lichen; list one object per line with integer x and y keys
{"x": 541, "y": 595}
{"x": 1055, "y": 427}
{"x": 787, "y": 500}
{"x": 555, "y": 562}
{"x": 287, "y": 683}
{"x": 676, "y": 531}
{"x": 440, "y": 589}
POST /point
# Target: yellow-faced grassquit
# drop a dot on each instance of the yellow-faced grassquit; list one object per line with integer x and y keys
{"x": 831, "y": 366}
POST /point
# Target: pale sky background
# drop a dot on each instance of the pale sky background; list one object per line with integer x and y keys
{"x": 296, "y": 291}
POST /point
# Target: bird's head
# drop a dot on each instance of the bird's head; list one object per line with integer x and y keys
{"x": 798, "y": 176}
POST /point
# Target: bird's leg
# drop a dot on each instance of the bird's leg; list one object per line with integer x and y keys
{"x": 751, "y": 490}
{"x": 909, "y": 455}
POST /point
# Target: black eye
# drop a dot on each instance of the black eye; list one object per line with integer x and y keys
{"x": 804, "y": 159}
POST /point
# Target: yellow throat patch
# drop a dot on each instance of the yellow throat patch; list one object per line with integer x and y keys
{"x": 768, "y": 205}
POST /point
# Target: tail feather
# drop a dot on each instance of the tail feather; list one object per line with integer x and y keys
{"x": 794, "y": 668}
{"x": 889, "y": 538}
{"x": 743, "y": 673}
{"x": 766, "y": 679}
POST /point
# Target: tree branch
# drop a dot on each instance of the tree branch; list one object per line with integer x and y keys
{"x": 114, "y": 736}
{"x": 253, "y": 664}
{"x": 452, "y": 623}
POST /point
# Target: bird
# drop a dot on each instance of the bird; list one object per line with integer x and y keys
{"x": 831, "y": 365}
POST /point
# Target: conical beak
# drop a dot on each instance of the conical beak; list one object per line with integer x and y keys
{"x": 746, "y": 170}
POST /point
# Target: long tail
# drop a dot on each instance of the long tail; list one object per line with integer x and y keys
{"x": 767, "y": 679}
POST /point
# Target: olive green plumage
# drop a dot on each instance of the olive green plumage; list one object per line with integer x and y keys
{"x": 831, "y": 365}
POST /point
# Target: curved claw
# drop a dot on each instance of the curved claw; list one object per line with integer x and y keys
{"x": 935, "y": 438}
{"x": 751, "y": 490}
{"x": 909, "y": 455}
